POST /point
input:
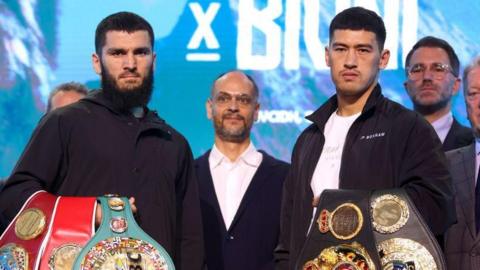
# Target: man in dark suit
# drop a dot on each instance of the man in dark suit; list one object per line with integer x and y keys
{"x": 432, "y": 68}
{"x": 240, "y": 188}
{"x": 462, "y": 248}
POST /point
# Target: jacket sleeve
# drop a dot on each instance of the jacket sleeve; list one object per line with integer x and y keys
{"x": 424, "y": 175}
{"x": 189, "y": 251}
{"x": 282, "y": 251}
{"x": 37, "y": 168}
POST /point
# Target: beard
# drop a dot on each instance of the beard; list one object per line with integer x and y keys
{"x": 236, "y": 135}
{"x": 429, "y": 105}
{"x": 126, "y": 98}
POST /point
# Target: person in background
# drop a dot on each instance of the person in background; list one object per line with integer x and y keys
{"x": 432, "y": 68}
{"x": 65, "y": 94}
{"x": 462, "y": 248}
{"x": 240, "y": 187}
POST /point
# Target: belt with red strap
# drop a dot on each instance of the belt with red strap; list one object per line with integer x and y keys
{"x": 48, "y": 232}
{"x": 20, "y": 243}
{"x": 72, "y": 227}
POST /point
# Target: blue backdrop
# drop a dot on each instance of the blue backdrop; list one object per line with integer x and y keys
{"x": 280, "y": 43}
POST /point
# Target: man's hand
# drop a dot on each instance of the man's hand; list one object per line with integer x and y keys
{"x": 98, "y": 211}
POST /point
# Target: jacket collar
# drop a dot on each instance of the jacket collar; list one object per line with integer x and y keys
{"x": 151, "y": 119}
{"x": 321, "y": 115}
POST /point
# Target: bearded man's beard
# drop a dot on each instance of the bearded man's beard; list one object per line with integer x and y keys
{"x": 126, "y": 99}
{"x": 228, "y": 134}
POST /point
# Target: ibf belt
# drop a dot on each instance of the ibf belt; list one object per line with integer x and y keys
{"x": 120, "y": 243}
{"x": 72, "y": 227}
{"x": 21, "y": 242}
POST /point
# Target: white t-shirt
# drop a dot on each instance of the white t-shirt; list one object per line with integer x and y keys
{"x": 326, "y": 174}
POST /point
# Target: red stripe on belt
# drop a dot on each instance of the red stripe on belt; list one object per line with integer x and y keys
{"x": 72, "y": 225}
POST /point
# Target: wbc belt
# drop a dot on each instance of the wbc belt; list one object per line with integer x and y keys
{"x": 72, "y": 227}
{"x": 120, "y": 243}
{"x": 21, "y": 242}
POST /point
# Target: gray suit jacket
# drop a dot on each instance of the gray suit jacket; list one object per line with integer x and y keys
{"x": 462, "y": 244}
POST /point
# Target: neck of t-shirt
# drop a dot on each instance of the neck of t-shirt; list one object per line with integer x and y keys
{"x": 346, "y": 117}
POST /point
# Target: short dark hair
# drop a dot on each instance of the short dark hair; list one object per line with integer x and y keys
{"x": 66, "y": 87}
{"x": 433, "y": 42}
{"x": 358, "y": 18}
{"x": 121, "y": 21}
{"x": 250, "y": 78}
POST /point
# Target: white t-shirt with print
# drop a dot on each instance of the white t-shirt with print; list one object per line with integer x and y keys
{"x": 326, "y": 174}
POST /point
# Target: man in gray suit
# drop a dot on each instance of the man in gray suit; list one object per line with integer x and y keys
{"x": 462, "y": 248}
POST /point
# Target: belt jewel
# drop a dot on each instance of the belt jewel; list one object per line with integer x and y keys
{"x": 13, "y": 257}
{"x": 30, "y": 224}
{"x": 402, "y": 253}
{"x": 389, "y": 213}
{"x": 342, "y": 257}
{"x": 345, "y": 222}
{"x": 120, "y": 243}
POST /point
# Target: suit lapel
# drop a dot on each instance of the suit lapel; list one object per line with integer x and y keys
{"x": 206, "y": 183}
{"x": 256, "y": 185}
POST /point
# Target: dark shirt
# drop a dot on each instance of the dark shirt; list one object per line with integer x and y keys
{"x": 90, "y": 149}
{"x": 388, "y": 146}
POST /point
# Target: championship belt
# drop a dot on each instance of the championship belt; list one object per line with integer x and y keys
{"x": 361, "y": 230}
{"x": 120, "y": 243}
{"x": 340, "y": 237}
{"x": 72, "y": 227}
{"x": 403, "y": 239}
{"x": 21, "y": 242}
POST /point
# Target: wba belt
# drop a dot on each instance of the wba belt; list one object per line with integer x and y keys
{"x": 120, "y": 243}
{"x": 361, "y": 230}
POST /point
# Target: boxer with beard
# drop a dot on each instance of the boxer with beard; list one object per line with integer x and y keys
{"x": 240, "y": 187}
{"x": 110, "y": 142}
{"x": 126, "y": 99}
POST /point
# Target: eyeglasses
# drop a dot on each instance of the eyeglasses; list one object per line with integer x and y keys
{"x": 224, "y": 99}
{"x": 438, "y": 70}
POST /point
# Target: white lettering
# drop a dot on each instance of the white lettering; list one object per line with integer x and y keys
{"x": 315, "y": 48}
{"x": 281, "y": 117}
{"x": 391, "y": 19}
{"x": 204, "y": 30}
{"x": 292, "y": 35}
{"x": 267, "y": 53}
{"x": 409, "y": 27}
{"x": 250, "y": 17}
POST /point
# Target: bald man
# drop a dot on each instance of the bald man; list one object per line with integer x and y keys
{"x": 240, "y": 187}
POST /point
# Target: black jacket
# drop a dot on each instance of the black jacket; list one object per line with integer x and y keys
{"x": 458, "y": 136}
{"x": 253, "y": 235}
{"x": 388, "y": 146}
{"x": 90, "y": 149}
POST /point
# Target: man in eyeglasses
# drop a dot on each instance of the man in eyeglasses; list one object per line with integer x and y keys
{"x": 240, "y": 187}
{"x": 432, "y": 80}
